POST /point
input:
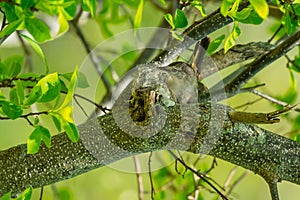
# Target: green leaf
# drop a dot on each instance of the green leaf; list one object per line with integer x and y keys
{"x": 81, "y": 79}
{"x": 26, "y": 195}
{"x": 69, "y": 127}
{"x": 215, "y": 44}
{"x": 10, "y": 12}
{"x": 261, "y": 7}
{"x": 71, "y": 131}
{"x": 37, "y": 49}
{"x": 253, "y": 18}
{"x": 297, "y": 138}
{"x": 10, "y": 28}
{"x": 46, "y": 137}
{"x": 180, "y": 19}
{"x": 56, "y": 123}
{"x": 71, "y": 90}
{"x": 16, "y": 94}
{"x": 63, "y": 24}
{"x": 232, "y": 12}
{"x": 27, "y": 3}
{"x": 139, "y": 15}
{"x": 235, "y": 33}
{"x": 6, "y": 196}
{"x": 170, "y": 20}
{"x": 90, "y": 6}
{"x": 11, "y": 110}
{"x": 199, "y": 6}
{"x": 243, "y": 14}
{"x": 177, "y": 36}
{"x": 225, "y": 6}
{"x": 38, "y": 29}
{"x": 50, "y": 87}
{"x": 34, "y": 141}
{"x": 34, "y": 96}
{"x": 13, "y": 65}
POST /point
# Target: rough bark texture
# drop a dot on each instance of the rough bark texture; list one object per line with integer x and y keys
{"x": 103, "y": 142}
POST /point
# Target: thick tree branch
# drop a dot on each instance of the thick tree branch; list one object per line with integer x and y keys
{"x": 103, "y": 142}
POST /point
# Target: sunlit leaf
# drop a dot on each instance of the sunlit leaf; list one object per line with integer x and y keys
{"x": 225, "y": 6}
{"x": 169, "y": 19}
{"x": 199, "y": 6}
{"x": 139, "y": 15}
{"x": 82, "y": 81}
{"x": 261, "y": 7}
{"x": 34, "y": 141}
{"x": 37, "y": 49}
{"x": 71, "y": 89}
{"x": 63, "y": 23}
{"x": 215, "y": 44}
{"x": 253, "y": 18}
{"x": 90, "y": 6}
{"x": 39, "y": 134}
{"x": 180, "y": 20}
{"x": 70, "y": 128}
{"x": 38, "y": 29}
{"x": 6, "y": 196}
{"x": 34, "y": 96}
{"x": 231, "y": 39}
{"x": 26, "y": 195}
{"x": 10, "y": 28}
{"x": 50, "y": 86}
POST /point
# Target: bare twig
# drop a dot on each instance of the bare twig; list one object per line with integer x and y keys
{"x": 139, "y": 177}
{"x": 272, "y": 99}
{"x": 201, "y": 176}
{"x": 150, "y": 176}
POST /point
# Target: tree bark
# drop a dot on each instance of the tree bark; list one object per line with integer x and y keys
{"x": 103, "y": 141}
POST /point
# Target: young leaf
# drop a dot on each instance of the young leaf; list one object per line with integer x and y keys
{"x": 38, "y": 29}
{"x": 34, "y": 96}
{"x": 253, "y": 18}
{"x": 13, "y": 65}
{"x": 215, "y": 44}
{"x": 139, "y": 15}
{"x": 235, "y": 33}
{"x": 69, "y": 127}
{"x": 199, "y": 6}
{"x": 261, "y": 7}
{"x": 90, "y": 6}
{"x": 71, "y": 90}
{"x": 11, "y": 110}
{"x": 81, "y": 79}
{"x": 26, "y": 195}
{"x": 63, "y": 23}
{"x": 180, "y": 20}
{"x": 50, "y": 86}
{"x": 170, "y": 20}
{"x": 27, "y": 3}
{"x": 37, "y": 49}
{"x": 225, "y": 6}
{"x": 10, "y": 28}
{"x": 34, "y": 141}
{"x": 6, "y": 196}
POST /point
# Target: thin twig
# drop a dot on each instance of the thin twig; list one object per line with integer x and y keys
{"x": 42, "y": 192}
{"x": 150, "y": 176}
{"x": 234, "y": 184}
{"x": 198, "y": 174}
{"x": 272, "y": 99}
{"x": 138, "y": 176}
{"x": 27, "y": 115}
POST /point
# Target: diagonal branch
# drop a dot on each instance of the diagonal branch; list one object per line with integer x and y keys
{"x": 249, "y": 146}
